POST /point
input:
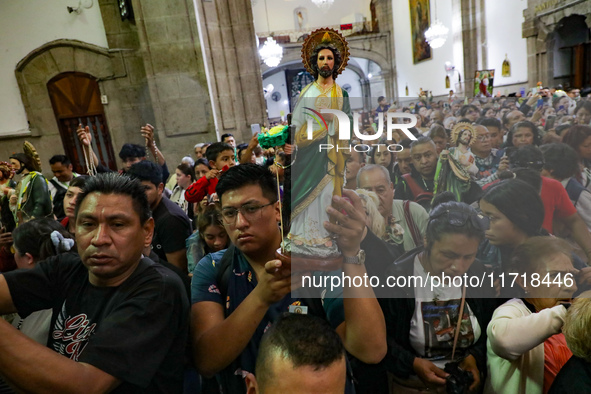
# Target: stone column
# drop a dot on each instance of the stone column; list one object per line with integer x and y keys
{"x": 233, "y": 65}
{"x": 175, "y": 74}
{"x": 470, "y": 40}
{"x": 385, "y": 20}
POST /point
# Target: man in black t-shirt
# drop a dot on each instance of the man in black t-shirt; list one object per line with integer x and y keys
{"x": 120, "y": 321}
{"x": 172, "y": 225}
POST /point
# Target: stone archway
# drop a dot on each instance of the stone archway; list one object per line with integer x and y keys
{"x": 296, "y": 64}
{"x": 42, "y": 64}
{"x": 375, "y": 47}
{"x": 539, "y": 28}
{"x": 36, "y": 69}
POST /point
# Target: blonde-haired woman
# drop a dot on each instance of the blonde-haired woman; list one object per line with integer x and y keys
{"x": 575, "y": 376}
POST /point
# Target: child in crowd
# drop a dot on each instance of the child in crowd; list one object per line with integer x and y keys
{"x": 34, "y": 241}
{"x": 210, "y": 237}
{"x": 220, "y": 156}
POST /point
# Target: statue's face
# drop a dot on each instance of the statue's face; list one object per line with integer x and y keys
{"x": 465, "y": 137}
{"x": 325, "y": 62}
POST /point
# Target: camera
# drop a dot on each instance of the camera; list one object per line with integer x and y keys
{"x": 458, "y": 380}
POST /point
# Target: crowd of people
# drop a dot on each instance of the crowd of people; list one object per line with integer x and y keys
{"x": 143, "y": 281}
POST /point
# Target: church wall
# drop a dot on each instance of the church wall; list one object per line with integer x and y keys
{"x": 274, "y": 108}
{"x": 427, "y": 74}
{"x": 26, "y": 25}
{"x": 504, "y": 19}
{"x": 281, "y": 14}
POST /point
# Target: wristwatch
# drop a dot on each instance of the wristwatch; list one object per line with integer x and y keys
{"x": 358, "y": 259}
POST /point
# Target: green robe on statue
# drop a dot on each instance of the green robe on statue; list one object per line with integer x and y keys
{"x": 317, "y": 175}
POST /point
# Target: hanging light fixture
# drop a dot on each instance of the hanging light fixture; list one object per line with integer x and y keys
{"x": 436, "y": 34}
{"x": 271, "y": 53}
{"x": 324, "y": 5}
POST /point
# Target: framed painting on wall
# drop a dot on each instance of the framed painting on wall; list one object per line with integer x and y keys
{"x": 420, "y": 20}
{"x": 484, "y": 83}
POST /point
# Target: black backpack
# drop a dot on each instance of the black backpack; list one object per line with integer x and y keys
{"x": 574, "y": 190}
{"x": 58, "y": 200}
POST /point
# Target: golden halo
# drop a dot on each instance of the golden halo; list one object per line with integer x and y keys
{"x": 325, "y": 36}
{"x": 459, "y": 128}
{"x": 30, "y": 151}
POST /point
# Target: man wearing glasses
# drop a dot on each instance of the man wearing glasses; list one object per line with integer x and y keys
{"x": 236, "y": 300}
{"x": 490, "y": 161}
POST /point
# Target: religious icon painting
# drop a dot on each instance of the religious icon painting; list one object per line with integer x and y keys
{"x": 420, "y": 20}
{"x": 483, "y": 83}
{"x": 506, "y": 68}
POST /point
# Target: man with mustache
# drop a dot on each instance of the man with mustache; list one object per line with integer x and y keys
{"x": 120, "y": 321}
{"x": 418, "y": 185}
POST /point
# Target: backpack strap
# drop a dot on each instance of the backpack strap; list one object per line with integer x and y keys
{"x": 414, "y": 230}
{"x": 574, "y": 190}
{"x": 415, "y": 189}
{"x": 56, "y": 184}
{"x": 224, "y": 272}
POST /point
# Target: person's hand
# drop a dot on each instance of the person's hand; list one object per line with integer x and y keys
{"x": 276, "y": 281}
{"x": 148, "y": 134}
{"x": 202, "y": 204}
{"x": 213, "y": 173}
{"x": 428, "y": 372}
{"x": 465, "y": 161}
{"x": 13, "y": 199}
{"x": 288, "y": 149}
{"x": 349, "y": 227}
{"x": 84, "y": 135}
{"x": 537, "y": 116}
{"x": 503, "y": 164}
{"x": 6, "y": 239}
{"x": 469, "y": 364}
{"x": 5, "y": 190}
{"x": 533, "y": 100}
{"x": 254, "y": 141}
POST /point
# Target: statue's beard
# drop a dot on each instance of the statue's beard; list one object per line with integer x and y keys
{"x": 20, "y": 170}
{"x": 325, "y": 72}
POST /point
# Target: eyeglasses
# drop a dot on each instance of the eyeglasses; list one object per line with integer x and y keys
{"x": 250, "y": 212}
{"x": 459, "y": 219}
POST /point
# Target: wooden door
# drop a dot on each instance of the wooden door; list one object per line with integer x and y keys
{"x": 581, "y": 65}
{"x": 76, "y": 99}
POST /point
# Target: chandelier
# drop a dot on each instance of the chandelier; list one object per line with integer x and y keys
{"x": 271, "y": 52}
{"x": 324, "y": 5}
{"x": 436, "y": 34}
